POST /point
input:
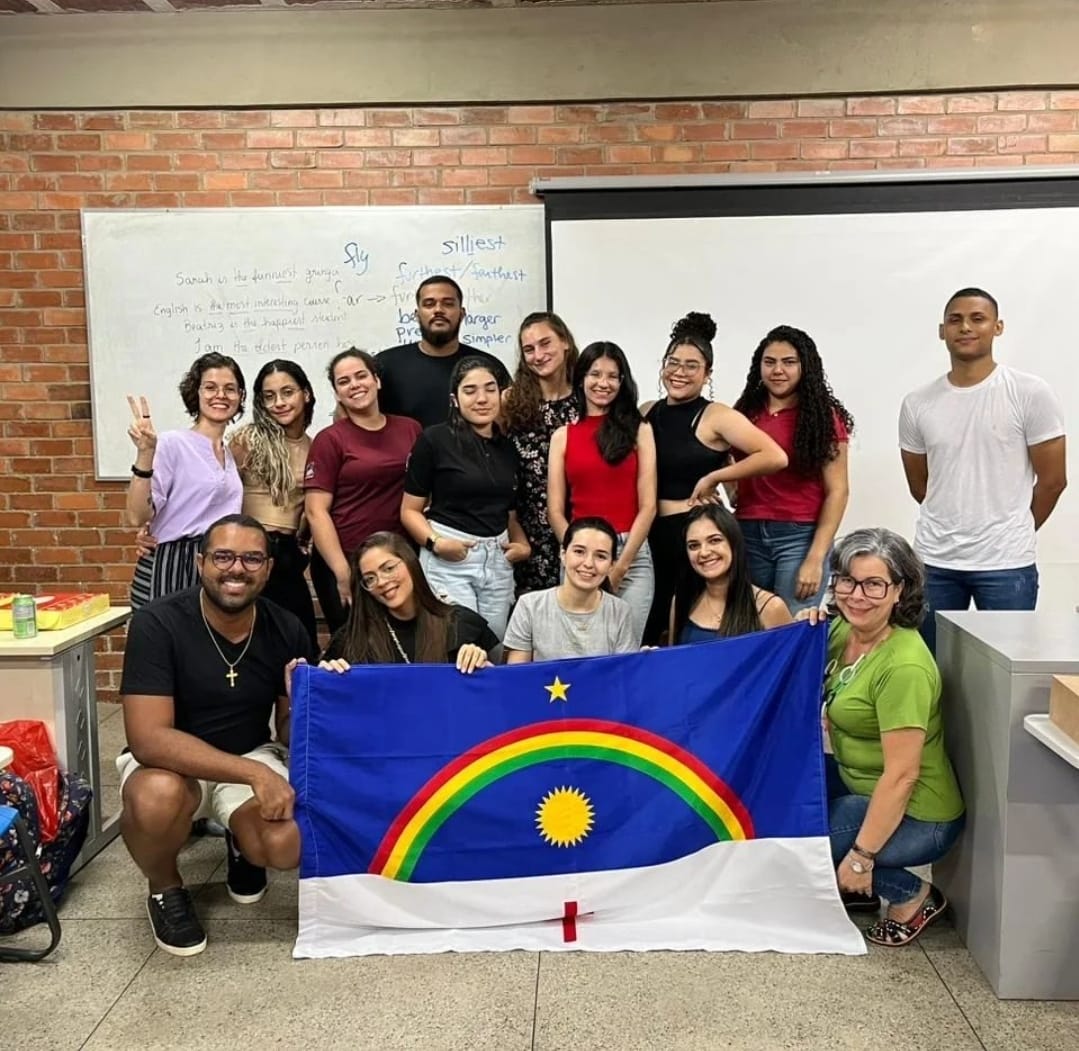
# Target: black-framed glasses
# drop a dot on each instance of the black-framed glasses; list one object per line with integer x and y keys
{"x": 224, "y": 559}
{"x": 385, "y": 572}
{"x": 872, "y": 587}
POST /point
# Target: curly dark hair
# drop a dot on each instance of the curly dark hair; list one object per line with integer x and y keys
{"x": 814, "y": 434}
{"x": 189, "y": 385}
{"x": 617, "y": 434}
{"x": 524, "y": 400}
{"x": 694, "y": 330}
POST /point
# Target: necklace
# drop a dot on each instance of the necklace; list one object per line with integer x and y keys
{"x": 711, "y": 607}
{"x": 397, "y": 642}
{"x": 231, "y": 674}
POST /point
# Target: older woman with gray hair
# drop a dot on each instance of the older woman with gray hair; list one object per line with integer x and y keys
{"x": 894, "y": 801}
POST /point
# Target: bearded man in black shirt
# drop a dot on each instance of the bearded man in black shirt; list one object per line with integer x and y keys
{"x": 204, "y": 669}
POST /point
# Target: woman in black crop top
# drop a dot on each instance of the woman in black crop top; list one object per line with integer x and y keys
{"x": 694, "y": 439}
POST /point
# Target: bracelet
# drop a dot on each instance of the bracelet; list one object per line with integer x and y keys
{"x": 869, "y": 855}
{"x": 138, "y": 472}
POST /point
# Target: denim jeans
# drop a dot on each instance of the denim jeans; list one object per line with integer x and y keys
{"x": 638, "y": 587}
{"x": 989, "y": 588}
{"x": 914, "y": 842}
{"x": 776, "y": 551}
{"x": 483, "y": 581}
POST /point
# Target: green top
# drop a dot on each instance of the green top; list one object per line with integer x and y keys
{"x": 894, "y": 687}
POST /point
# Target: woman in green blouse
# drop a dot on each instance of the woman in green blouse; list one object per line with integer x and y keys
{"x": 894, "y": 801}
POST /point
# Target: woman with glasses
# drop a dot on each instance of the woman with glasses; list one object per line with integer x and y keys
{"x": 695, "y": 438}
{"x": 183, "y": 481}
{"x": 395, "y": 618}
{"x": 354, "y": 480}
{"x": 460, "y": 498}
{"x": 714, "y": 597}
{"x": 580, "y": 617}
{"x": 894, "y": 802}
{"x": 271, "y": 454}
{"x": 539, "y": 402}
{"x": 604, "y": 466}
{"x": 790, "y": 518}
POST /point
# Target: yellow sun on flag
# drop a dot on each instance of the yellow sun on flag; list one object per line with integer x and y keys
{"x": 564, "y": 817}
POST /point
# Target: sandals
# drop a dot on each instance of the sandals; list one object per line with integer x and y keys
{"x": 892, "y": 933}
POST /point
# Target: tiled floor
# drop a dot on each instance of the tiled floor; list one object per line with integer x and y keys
{"x": 107, "y": 987}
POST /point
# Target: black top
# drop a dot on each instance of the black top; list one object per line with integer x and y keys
{"x": 418, "y": 385}
{"x": 471, "y": 481}
{"x": 467, "y": 627}
{"x": 169, "y": 654}
{"x": 682, "y": 459}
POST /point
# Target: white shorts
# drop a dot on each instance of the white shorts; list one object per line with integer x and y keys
{"x": 219, "y": 800}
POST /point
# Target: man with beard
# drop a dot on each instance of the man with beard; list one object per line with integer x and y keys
{"x": 416, "y": 376}
{"x": 203, "y": 671}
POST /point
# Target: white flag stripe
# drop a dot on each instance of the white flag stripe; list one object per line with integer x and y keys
{"x": 754, "y": 896}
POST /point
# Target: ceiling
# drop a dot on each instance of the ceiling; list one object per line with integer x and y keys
{"x": 60, "y": 7}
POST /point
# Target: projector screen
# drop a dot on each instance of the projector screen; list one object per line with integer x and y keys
{"x": 868, "y": 286}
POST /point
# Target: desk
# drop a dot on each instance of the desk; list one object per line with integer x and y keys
{"x": 1014, "y": 876}
{"x": 51, "y": 678}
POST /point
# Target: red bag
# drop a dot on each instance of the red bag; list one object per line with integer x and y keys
{"x": 35, "y": 763}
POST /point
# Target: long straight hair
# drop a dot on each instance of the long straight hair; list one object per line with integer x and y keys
{"x": 524, "y": 400}
{"x": 617, "y": 434}
{"x": 367, "y": 631}
{"x": 740, "y": 615}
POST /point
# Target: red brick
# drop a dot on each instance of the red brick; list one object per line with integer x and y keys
{"x": 951, "y": 125}
{"x": 822, "y": 107}
{"x": 483, "y": 155}
{"x": 1022, "y": 100}
{"x": 852, "y": 128}
{"x": 415, "y": 177}
{"x": 658, "y": 132}
{"x": 871, "y": 106}
{"x": 678, "y": 111}
{"x": 198, "y": 119}
{"x": 747, "y": 129}
{"x": 922, "y": 147}
{"x": 725, "y": 151}
{"x": 629, "y": 154}
{"x": 369, "y": 137}
{"x": 293, "y": 159}
{"x": 771, "y": 108}
{"x": 245, "y": 160}
{"x": 223, "y": 140}
{"x": 485, "y": 115}
{"x": 531, "y": 155}
{"x": 1063, "y": 143}
{"x": 1064, "y": 100}
{"x": 970, "y": 104}
{"x": 294, "y": 118}
{"x": 175, "y": 140}
{"x": 1000, "y": 123}
{"x": 127, "y": 140}
{"x": 463, "y": 136}
{"x": 149, "y": 162}
{"x": 276, "y": 139}
{"x": 569, "y": 156}
{"x": 1060, "y": 120}
{"x": 387, "y": 158}
{"x": 875, "y": 148}
{"x": 437, "y": 158}
{"x": 1021, "y": 144}
{"x": 488, "y": 196}
{"x": 803, "y": 129}
{"x": 380, "y": 118}
{"x": 609, "y": 133}
{"x": 436, "y": 116}
{"x": 320, "y": 138}
{"x": 830, "y": 149}
{"x": 379, "y": 197}
{"x": 723, "y": 110}
{"x": 569, "y": 133}
{"x": 439, "y": 196}
{"x": 465, "y": 177}
{"x": 410, "y": 137}
{"x": 320, "y": 180}
{"x": 56, "y": 121}
{"x": 972, "y": 145}
{"x": 248, "y": 118}
{"x": 513, "y": 135}
{"x": 150, "y": 119}
{"x": 275, "y": 180}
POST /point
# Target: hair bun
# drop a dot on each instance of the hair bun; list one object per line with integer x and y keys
{"x": 695, "y": 324}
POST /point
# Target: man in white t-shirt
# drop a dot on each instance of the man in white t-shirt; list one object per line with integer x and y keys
{"x": 983, "y": 452}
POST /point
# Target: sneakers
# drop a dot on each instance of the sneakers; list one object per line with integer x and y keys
{"x": 175, "y": 923}
{"x": 246, "y": 882}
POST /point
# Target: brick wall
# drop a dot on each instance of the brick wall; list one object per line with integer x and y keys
{"x": 60, "y": 528}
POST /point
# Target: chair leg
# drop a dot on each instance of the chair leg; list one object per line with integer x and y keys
{"x": 33, "y": 870}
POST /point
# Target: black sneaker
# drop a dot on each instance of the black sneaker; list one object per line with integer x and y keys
{"x": 175, "y": 923}
{"x": 246, "y": 882}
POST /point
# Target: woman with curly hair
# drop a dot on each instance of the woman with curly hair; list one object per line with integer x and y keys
{"x": 695, "y": 439}
{"x": 604, "y": 466}
{"x": 183, "y": 480}
{"x": 271, "y": 454}
{"x": 790, "y": 518}
{"x": 540, "y": 401}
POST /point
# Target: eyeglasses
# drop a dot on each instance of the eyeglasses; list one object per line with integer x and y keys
{"x": 230, "y": 390}
{"x": 385, "y": 572}
{"x": 872, "y": 587}
{"x": 690, "y": 368}
{"x": 227, "y": 559}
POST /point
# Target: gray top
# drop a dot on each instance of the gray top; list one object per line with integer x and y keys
{"x": 541, "y": 626}
{"x": 1038, "y": 642}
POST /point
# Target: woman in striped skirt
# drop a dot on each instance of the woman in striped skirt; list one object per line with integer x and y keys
{"x": 184, "y": 480}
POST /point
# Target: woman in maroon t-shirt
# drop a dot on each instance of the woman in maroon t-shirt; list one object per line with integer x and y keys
{"x": 354, "y": 480}
{"x": 790, "y": 518}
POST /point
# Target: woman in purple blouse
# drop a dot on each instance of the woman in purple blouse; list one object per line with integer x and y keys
{"x": 182, "y": 481}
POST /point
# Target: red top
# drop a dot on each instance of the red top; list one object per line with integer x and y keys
{"x": 785, "y": 496}
{"x": 365, "y": 472}
{"x": 597, "y": 487}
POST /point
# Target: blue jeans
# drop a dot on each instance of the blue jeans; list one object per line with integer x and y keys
{"x": 914, "y": 842}
{"x": 776, "y": 551}
{"x": 989, "y": 588}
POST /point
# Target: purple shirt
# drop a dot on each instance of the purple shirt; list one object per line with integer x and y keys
{"x": 190, "y": 489}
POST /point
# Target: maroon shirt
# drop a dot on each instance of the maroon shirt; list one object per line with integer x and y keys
{"x": 365, "y": 473}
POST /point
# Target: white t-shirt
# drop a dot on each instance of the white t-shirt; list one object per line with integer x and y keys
{"x": 976, "y": 512}
{"x": 539, "y": 624}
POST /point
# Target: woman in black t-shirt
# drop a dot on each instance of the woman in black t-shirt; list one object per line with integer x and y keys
{"x": 395, "y": 617}
{"x": 460, "y": 499}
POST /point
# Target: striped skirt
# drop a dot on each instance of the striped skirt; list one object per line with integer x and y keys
{"x": 170, "y": 567}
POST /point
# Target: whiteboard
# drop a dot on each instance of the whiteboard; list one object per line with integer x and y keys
{"x": 870, "y": 289}
{"x": 163, "y": 287}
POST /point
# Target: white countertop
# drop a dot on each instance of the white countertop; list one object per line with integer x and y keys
{"x": 1053, "y": 737}
{"x": 1037, "y": 642}
{"x": 50, "y": 643}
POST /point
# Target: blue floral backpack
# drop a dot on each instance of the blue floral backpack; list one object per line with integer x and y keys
{"x": 19, "y": 906}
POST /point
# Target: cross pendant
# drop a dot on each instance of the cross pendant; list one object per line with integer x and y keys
{"x": 232, "y": 676}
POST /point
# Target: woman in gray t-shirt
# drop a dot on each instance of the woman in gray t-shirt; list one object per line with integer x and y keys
{"x": 580, "y": 617}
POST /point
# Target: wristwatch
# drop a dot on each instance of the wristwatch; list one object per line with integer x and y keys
{"x": 430, "y": 542}
{"x": 859, "y": 866}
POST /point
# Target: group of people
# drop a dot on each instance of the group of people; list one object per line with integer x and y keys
{"x": 458, "y": 515}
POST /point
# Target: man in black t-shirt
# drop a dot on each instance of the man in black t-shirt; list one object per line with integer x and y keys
{"x": 204, "y": 669}
{"x": 415, "y": 377}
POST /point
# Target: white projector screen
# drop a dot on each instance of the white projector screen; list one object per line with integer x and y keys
{"x": 870, "y": 289}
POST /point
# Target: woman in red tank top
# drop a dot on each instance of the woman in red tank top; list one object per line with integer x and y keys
{"x": 605, "y": 466}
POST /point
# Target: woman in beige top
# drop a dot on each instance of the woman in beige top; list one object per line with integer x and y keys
{"x": 271, "y": 454}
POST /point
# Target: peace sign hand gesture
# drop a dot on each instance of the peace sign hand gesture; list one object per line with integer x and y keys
{"x": 141, "y": 430}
